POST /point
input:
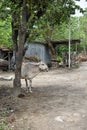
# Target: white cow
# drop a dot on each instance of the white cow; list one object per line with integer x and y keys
{"x": 29, "y": 70}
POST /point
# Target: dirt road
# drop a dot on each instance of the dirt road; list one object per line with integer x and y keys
{"x": 58, "y": 101}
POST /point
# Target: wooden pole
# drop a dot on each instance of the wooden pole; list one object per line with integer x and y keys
{"x": 69, "y": 62}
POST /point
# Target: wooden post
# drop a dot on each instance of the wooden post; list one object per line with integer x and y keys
{"x": 9, "y": 60}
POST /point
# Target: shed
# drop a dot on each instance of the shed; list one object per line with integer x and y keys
{"x": 39, "y": 49}
{"x": 42, "y": 49}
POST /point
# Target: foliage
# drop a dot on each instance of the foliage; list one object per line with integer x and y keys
{"x": 59, "y": 59}
{"x": 5, "y": 32}
{"x": 54, "y": 13}
{"x": 5, "y": 25}
{"x": 3, "y": 125}
{"x": 57, "y": 13}
{"x": 83, "y": 30}
{"x": 51, "y": 23}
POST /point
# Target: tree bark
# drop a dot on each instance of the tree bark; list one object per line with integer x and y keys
{"x": 19, "y": 32}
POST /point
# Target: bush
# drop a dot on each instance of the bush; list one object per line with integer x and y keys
{"x": 3, "y": 125}
{"x": 59, "y": 59}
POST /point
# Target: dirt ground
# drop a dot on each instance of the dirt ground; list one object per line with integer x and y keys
{"x": 58, "y": 102}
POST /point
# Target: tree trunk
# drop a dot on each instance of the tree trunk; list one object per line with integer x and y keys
{"x": 48, "y": 35}
{"x": 51, "y": 47}
{"x": 19, "y": 49}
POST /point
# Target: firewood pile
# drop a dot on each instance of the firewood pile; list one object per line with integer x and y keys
{"x": 3, "y": 64}
{"x": 82, "y": 58}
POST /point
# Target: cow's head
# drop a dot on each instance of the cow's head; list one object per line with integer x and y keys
{"x": 43, "y": 66}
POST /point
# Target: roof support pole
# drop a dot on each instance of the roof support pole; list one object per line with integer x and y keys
{"x": 69, "y": 61}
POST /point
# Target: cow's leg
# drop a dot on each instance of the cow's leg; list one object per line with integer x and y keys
{"x": 30, "y": 85}
{"x": 27, "y": 85}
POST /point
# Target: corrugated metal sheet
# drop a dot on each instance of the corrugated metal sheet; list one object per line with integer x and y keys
{"x": 39, "y": 50}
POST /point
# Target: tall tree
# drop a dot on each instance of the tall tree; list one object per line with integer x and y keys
{"x": 19, "y": 35}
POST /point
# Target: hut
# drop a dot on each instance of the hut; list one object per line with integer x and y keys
{"x": 43, "y": 49}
